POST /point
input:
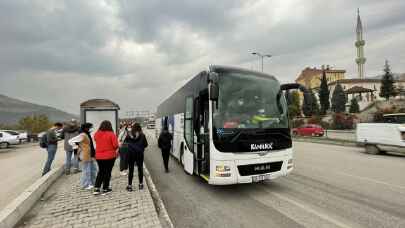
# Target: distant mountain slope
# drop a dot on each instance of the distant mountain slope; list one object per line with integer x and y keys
{"x": 12, "y": 110}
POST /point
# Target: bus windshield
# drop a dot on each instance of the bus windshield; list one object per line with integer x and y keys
{"x": 249, "y": 101}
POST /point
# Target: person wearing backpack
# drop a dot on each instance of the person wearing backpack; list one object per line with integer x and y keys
{"x": 51, "y": 145}
{"x": 70, "y": 131}
{"x": 165, "y": 144}
{"x": 137, "y": 143}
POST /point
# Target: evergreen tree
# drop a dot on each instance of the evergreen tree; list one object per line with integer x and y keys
{"x": 387, "y": 89}
{"x": 324, "y": 94}
{"x": 311, "y": 108}
{"x": 314, "y": 104}
{"x": 354, "y": 106}
{"x": 339, "y": 99}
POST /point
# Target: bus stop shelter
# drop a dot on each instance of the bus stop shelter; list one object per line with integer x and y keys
{"x": 97, "y": 110}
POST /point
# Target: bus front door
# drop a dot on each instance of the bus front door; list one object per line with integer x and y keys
{"x": 202, "y": 150}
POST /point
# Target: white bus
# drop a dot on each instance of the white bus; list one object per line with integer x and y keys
{"x": 230, "y": 126}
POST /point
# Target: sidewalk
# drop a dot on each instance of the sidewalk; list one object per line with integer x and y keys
{"x": 65, "y": 204}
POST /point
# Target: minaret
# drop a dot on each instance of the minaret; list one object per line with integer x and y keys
{"x": 360, "y": 60}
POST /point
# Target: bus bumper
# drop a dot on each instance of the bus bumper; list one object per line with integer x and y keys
{"x": 230, "y": 172}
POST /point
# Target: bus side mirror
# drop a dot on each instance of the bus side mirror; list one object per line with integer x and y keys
{"x": 214, "y": 91}
{"x": 305, "y": 91}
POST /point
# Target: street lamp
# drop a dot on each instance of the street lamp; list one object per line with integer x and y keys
{"x": 261, "y": 56}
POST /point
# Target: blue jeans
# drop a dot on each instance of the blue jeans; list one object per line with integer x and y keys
{"x": 51, "y": 149}
{"x": 89, "y": 171}
{"x": 71, "y": 160}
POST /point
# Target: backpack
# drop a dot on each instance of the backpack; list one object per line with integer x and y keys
{"x": 43, "y": 142}
{"x": 165, "y": 141}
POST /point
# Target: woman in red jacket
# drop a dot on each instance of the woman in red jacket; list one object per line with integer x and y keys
{"x": 106, "y": 152}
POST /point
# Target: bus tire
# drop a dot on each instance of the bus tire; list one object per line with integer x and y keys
{"x": 372, "y": 149}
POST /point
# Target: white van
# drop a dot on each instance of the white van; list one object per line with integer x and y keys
{"x": 381, "y": 137}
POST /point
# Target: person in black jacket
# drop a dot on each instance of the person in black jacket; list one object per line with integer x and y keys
{"x": 137, "y": 143}
{"x": 165, "y": 144}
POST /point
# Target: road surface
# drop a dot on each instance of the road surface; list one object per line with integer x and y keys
{"x": 21, "y": 166}
{"x": 331, "y": 186}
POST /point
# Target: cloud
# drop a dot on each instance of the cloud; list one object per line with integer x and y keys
{"x": 136, "y": 53}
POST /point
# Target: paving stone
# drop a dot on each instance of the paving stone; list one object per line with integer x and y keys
{"x": 72, "y": 206}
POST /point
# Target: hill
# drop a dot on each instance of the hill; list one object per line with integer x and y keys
{"x": 12, "y": 110}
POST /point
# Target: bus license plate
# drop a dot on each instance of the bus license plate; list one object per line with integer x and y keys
{"x": 260, "y": 178}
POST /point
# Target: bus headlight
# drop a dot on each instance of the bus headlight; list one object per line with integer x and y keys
{"x": 223, "y": 168}
{"x": 223, "y": 171}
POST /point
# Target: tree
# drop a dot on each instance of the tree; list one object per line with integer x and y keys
{"x": 324, "y": 94}
{"x": 311, "y": 108}
{"x": 339, "y": 99}
{"x": 35, "y": 123}
{"x": 314, "y": 104}
{"x": 388, "y": 89}
{"x": 293, "y": 101}
{"x": 354, "y": 106}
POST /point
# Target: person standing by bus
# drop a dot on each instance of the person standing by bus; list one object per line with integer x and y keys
{"x": 51, "y": 146}
{"x": 165, "y": 144}
{"x": 123, "y": 151}
{"x": 86, "y": 152}
{"x": 106, "y": 153}
{"x": 70, "y": 131}
{"x": 136, "y": 147}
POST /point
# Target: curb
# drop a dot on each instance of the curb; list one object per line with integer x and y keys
{"x": 160, "y": 207}
{"x": 328, "y": 141}
{"x": 17, "y": 209}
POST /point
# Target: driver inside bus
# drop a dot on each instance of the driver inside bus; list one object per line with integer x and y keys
{"x": 241, "y": 112}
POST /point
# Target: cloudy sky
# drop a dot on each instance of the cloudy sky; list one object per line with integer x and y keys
{"x": 137, "y": 53}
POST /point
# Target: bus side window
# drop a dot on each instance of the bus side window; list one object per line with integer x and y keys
{"x": 188, "y": 123}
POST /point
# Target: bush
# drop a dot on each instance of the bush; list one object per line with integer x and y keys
{"x": 343, "y": 121}
{"x": 325, "y": 125}
{"x": 379, "y": 114}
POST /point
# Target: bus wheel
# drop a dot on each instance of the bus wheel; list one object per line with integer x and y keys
{"x": 372, "y": 149}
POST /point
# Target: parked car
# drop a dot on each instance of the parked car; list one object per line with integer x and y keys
{"x": 308, "y": 130}
{"x": 22, "y": 135}
{"x": 8, "y": 139}
{"x": 398, "y": 118}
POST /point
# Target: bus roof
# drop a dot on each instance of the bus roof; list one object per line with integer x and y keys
{"x": 220, "y": 68}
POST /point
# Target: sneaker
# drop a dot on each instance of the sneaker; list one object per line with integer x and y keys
{"x": 96, "y": 191}
{"x": 140, "y": 186}
{"x": 123, "y": 173}
{"x": 106, "y": 191}
{"x": 129, "y": 188}
{"x": 90, "y": 187}
{"x": 67, "y": 172}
